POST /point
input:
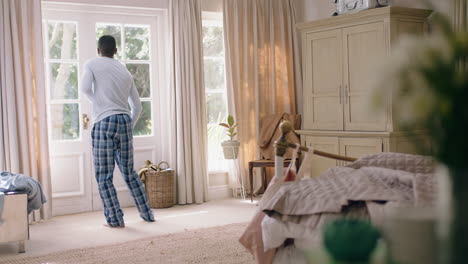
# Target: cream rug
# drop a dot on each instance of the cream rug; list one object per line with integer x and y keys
{"x": 209, "y": 245}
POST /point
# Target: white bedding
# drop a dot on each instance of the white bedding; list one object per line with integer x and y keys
{"x": 275, "y": 232}
{"x": 363, "y": 189}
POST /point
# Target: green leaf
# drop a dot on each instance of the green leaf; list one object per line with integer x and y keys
{"x": 230, "y": 120}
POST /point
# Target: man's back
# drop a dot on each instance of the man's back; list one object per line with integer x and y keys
{"x": 113, "y": 85}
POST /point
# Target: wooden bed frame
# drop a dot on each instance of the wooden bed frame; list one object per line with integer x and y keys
{"x": 281, "y": 145}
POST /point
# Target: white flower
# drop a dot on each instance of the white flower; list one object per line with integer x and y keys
{"x": 403, "y": 80}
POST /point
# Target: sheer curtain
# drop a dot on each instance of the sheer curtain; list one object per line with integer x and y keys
{"x": 188, "y": 115}
{"x": 23, "y": 122}
{"x": 263, "y": 70}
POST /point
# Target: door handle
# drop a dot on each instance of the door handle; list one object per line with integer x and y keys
{"x": 85, "y": 121}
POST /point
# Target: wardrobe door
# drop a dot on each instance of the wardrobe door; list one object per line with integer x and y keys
{"x": 322, "y": 66}
{"x": 358, "y": 147}
{"x": 364, "y": 46}
{"x": 327, "y": 144}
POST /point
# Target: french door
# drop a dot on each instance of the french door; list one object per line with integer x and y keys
{"x": 70, "y": 38}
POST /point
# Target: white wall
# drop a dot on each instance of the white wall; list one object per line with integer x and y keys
{"x": 308, "y": 10}
{"x": 212, "y": 5}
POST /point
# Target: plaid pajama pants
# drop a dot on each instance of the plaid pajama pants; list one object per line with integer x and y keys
{"x": 113, "y": 142}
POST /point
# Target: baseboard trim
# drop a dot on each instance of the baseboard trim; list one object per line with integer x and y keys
{"x": 219, "y": 192}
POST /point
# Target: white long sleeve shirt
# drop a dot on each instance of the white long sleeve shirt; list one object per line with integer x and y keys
{"x": 110, "y": 88}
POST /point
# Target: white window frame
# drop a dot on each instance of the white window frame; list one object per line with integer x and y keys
{"x": 47, "y": 62}
{"x": 126, "y": 61}
{"x": 158, "y": 77}
{"x": 216, "y": 18}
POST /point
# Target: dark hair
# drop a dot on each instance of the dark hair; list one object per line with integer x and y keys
{"x": 107, "y": 45}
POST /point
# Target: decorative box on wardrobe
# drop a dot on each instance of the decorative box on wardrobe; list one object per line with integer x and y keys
{"x": 339, "y": 58}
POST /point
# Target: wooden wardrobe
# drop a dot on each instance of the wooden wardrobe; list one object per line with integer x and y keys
{"x": 339, "y": 59}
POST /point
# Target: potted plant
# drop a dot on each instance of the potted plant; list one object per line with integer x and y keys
{"x": 428, "y": 77}
{"x": 231, "y": 146}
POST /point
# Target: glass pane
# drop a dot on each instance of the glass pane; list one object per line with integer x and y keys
{"x": 113, "y": 30}
{"x": 215, "y": 108}
{"x": 216, "y": 135}
{"x": 141, "y": 76}
{"x": 214, "y": 74}
{"x": 63, "y": 81}
{"x": 65, "y": 121}
{"x": 144, "y": 124}
{"x": 62, "y": 40}
{"x": 213, "y": 41}
{"x": 137, "y": 42}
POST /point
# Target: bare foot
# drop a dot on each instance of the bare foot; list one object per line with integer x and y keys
{"x": 107, "y": 225}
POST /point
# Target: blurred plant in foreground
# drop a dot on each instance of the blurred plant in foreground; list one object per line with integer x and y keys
{"x": 430, "y": 90}
{"x": 428, "y": 81}
{"x": 350, "y": 240}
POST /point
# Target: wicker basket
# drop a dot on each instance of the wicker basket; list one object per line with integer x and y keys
{"x": 159, "y": 185}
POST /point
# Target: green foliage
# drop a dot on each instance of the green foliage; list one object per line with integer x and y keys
{"x": 213, "y": 37}
{"x": 141, "y": 77}
{"x": 231, "y": 126}
{"x": 112, "y": 30}
{"x": 136, "y": 48}
{"x": 137, "y": 43}
{"x": 55, "y": 32}
{"x": 350, "y": 240}
{"x": 71, "y": 126}
{"x": 70, "y": 89}
{"x": 144, "y": 125}
{"x": 431, "y": 89}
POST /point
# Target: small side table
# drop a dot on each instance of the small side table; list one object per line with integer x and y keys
{"x": 264, "y": 164}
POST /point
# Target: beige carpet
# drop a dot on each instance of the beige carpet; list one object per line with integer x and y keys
{"x": 209, "y": 245}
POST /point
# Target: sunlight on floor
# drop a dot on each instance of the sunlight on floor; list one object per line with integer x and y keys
{"x": 249, "y": 202}
{"x": 178, "y": 215}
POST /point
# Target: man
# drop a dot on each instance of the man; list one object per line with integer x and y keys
{"x": 110, "y": 88}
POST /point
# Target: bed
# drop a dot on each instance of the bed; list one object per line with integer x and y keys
{"x": 292, "y": 214}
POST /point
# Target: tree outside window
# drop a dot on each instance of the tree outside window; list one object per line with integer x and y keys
{"x": 62, "y": 67}
{"x": 136, "y": 57}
